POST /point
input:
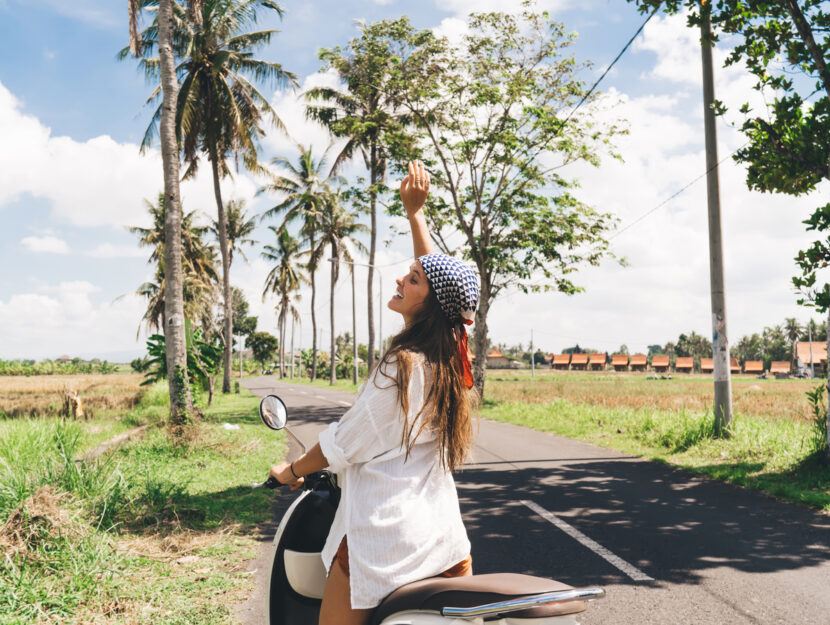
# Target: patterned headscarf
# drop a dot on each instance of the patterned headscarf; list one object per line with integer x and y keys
{"x": 456, "y": 287}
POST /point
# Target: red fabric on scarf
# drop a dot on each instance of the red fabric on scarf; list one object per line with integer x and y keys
{"x": 464, "y": 357}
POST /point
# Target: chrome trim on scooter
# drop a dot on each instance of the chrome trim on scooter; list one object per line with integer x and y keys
{"x": 516, "y": 605}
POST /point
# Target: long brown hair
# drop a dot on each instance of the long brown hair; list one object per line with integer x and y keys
{"x": 448, "y": 408}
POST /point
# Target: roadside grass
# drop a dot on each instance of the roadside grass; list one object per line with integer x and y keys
{"x": 339, "y": 385}
{"x": 154, "y": 532}
{"x": 776, "y": 456}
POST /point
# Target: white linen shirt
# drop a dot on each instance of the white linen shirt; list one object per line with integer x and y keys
{"x": 401, "y": 515}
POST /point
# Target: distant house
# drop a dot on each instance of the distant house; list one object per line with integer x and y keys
{"x": 619, "y": 362}
{"x": 734, "y": 367}
{"x": 707, "y": 365}
{"x": 754, "y": 366}
{"x": 596, "y": 362}
{"x": 579, "y": 361}
{"x": 561, "y": 361}
{"x": 660, "y": 363}
{"x": 639, "y": 362}
{"x": 64, "y": 358}
{"x": 780, "y": 368}
{"x": 684, "y": 364}
{"x": 803, "y": 350}
{"x": 497, "y": 360}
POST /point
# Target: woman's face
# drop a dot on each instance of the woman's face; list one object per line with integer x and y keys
{"x": 411, "y": 293}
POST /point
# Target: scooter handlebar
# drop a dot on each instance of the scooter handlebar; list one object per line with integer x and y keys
{"x": 271, "y": 482}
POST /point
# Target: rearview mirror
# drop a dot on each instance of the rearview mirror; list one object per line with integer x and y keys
{"x": 273, "y": 412}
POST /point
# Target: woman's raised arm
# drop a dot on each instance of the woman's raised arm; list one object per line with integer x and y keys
{"x": 414, "y": 191}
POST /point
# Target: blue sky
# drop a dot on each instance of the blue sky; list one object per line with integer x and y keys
{"x": 71, "y": 179}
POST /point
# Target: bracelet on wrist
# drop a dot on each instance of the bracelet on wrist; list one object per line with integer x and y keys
{"x": 291, "y": 468}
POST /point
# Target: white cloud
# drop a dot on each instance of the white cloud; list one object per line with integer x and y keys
{"x": 465, "y": 7}
{"x": 108, "y": 250}
{"x": 99, "y": 182}
{"x": 46, "y": 244}
{"x": 63, "y": 318}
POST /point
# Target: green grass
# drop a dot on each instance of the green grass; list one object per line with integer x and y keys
{"x": 775, "y": 456}
{"x": 339, "y": 385}
{"x": 156, "y": 532}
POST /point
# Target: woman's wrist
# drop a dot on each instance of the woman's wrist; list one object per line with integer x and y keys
{"x": 293, "y": 472}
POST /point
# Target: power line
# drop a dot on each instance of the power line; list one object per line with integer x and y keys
{"x": 673, "y": 195}
{"x": 607, "y": 69}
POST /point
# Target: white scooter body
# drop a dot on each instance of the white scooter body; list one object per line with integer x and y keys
{"x": 298, "y": 576}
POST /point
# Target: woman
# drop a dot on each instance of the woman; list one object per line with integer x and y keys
{"x": 395, "y": 449}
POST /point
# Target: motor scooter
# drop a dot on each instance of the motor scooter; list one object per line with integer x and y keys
{"x": 298, "y": 575}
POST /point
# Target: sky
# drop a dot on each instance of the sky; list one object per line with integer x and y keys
{"x": 72, "y": 180}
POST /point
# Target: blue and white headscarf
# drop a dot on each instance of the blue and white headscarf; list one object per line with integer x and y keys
{"x": 455, "y": 284}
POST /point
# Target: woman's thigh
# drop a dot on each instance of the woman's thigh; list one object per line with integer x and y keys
{"x": 337, "y": 607}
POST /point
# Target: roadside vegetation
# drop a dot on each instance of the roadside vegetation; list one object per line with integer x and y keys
{"x": 156, "y": 531}
{"x": 776, "y": 443}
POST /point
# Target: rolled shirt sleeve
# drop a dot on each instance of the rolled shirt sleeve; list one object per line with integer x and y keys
{"x": 374, "y": 424}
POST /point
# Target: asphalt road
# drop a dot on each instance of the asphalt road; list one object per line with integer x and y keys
{"x": 668, "y": 547}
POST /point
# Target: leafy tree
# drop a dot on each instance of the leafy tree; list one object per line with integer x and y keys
{"x": 306, "y": 189}
{"x": 654, "y": 349}
{"x": 284, "y": 281}
{"x": 219, "y": 112}
{"x": 140, "y": 365}
{"x": 364, "y": 114}
{"x": 264, "y": 347}
{"x": 490, "y": 112}
{"x": 243, "y": 324}
{"x": 785, "y": 45}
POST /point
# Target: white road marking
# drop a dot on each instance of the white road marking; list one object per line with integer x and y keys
{"x": 304, "y": 392}
{"x": 632, "y": 571}
{"x": 344, "y": 403}
{"x": 321, "y": 397}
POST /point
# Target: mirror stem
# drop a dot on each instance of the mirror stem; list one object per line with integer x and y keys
{"x": 296, "y": 440}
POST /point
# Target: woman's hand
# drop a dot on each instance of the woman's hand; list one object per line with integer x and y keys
{"x": 282, "y": 473}
{"x": 415, "y": 188}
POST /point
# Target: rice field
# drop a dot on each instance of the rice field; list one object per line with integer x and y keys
{"x": 43, "y": 395}
{"x": 770, "y": 398}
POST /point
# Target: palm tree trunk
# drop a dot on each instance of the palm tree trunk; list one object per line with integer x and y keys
{"x": 336, "y": 257}
{"x": 181, "y": 402}
{"x": 373, "y": 167}
{"x": 226, "y": 271}
{"x": 311, "y": 270}
{"x": 282, "y": 339}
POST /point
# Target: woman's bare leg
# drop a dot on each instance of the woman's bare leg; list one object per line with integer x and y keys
{"x": 337, "y": 607}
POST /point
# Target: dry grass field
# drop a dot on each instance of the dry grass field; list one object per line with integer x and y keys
{"x": 39, "y": 396}
{"x": 774, "y": 399}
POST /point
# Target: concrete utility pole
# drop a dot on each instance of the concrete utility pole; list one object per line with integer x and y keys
{"x": 293, "y": 319}
{"x": 720, "y": 341}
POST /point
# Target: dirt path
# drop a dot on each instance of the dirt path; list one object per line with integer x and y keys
{"x": 112, "y": 443}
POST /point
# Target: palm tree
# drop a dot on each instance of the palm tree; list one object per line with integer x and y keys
{"x": 181, "y": 402}
{"x": 792, "y": 330}
{"x": 239, "y": 228}
{"x": 219, "y": 112}
{"x": 305, "y": 189}
{"x": 367, "y": 118}
{"x": 284, "y": 280}
{"x": 199, "y": 277}
{"x": 338, "y": 228}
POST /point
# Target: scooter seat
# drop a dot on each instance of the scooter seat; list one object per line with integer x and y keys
{"x": 436, "y": 593}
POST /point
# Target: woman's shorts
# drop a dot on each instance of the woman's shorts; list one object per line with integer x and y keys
{"x": 460, "y": 569}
